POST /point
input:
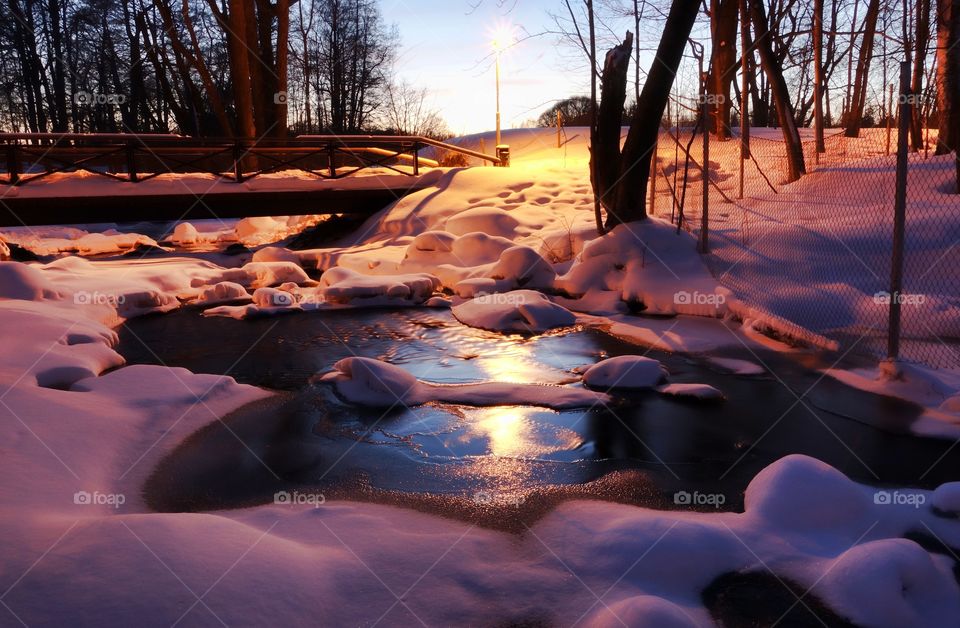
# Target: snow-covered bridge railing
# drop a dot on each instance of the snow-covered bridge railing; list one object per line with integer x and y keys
{"x": 140, "y": 157}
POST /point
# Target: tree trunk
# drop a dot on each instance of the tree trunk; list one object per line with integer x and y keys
{"x": 781, "y": 95}
{"x": 922, "y": 43}
{"x": 948, "y": 75}
{"x": 818, "y": 75}
{"x": 723, "y": 64}
{"x": 240, "y": 67}
{"x": 629, "y": 197}
{"x": 858, "y": 101}
{"x": 605, "y": 154}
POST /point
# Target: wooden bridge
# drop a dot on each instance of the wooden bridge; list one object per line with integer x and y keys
{"x": 332, "y": 175}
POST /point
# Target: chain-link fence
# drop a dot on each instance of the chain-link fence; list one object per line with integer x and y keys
{"x": 818, "y": 251}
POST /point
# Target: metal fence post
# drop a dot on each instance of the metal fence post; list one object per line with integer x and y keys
{"x": 899, "y": 214}
{"x": 705, "y": 169}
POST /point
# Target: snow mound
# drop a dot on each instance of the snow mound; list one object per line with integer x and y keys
{"x": 803, "y": 494}
{"x": 369, "y": 382}
{"x": 946, "y": 498}
{"x": 489, "y": 220}
{"x": 223, "y": 291}
{"x": 273, "y": 297}
{"x": 889, "y": 583}
{"x": 523, "y": 266}
{"x": 25, "y": 283}
{"x": 261, "y": 274}
{"x": 641, "y": 610}
{"x": 276, "y": 254}
{"x": 625, "y": 371}
{"x": 703, "y": 392}
{"x": 185, "y": 233}
{"x": 524, "y": 311}
{"x": 342, "y": 285}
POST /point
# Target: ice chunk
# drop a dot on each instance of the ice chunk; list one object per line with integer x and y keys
{"x": 703, "y": 392}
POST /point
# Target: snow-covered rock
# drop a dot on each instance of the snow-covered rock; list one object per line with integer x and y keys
{"x": 524, "y": 311}
{"x": 946, "y": 498}
{"x": 223, "y": 291}
{"x": 889, "y": 583}
{"x": 342, "y": 285}
{"x": 703, "y": 392}
{"x": 261, "y": 274}
{"x": 185, "y": 233}
{"x": 625, "y": 371}
{"x": 369, "y": 382}
{"x": 803, "y": 495}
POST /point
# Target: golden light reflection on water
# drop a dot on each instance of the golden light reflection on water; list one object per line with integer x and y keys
{"x": 515, "y": 432}
{"x": 515, "y": 364}
{"x": 512, "y": 434}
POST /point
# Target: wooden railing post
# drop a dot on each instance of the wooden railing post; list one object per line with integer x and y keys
{"x": 332, "y": 158}
{"x": 13, "y": 163}
{"x": 131, "y": 162}
{"x": 416, "y": 159}
{"x": 238, "y": 161}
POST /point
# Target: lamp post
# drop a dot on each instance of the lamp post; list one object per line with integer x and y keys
{"x": 498, "y": 94}
{"x": 502, "y": 39}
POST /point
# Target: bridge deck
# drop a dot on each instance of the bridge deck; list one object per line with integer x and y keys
{"x": 47, "y": 209}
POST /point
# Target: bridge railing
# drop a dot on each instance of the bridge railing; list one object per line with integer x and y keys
{"x": 139, "y": 157}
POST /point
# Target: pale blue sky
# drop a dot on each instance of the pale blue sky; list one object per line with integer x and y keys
{"x": 447, "y": 49}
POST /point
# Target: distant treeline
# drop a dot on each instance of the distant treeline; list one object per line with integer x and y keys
{"x": 201, "y": 67}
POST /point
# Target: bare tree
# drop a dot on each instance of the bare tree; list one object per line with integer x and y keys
{"x": 406, "y": 111}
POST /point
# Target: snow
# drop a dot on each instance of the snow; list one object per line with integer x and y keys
{"x": 946, "y": 498}
{"x": 703, "y": 392}
{"x": 737, "y": 367}
{"x": 342, "y": 285}
{"x": 524, "y": 311}
{"x": 19, "y": 281}
{"x": 222, "y": 291}
{"x": 625, "y": 371}
{"x": 261, "y": 274}
{"x": 369, "y": 382}
{"x": 76, "y": 421}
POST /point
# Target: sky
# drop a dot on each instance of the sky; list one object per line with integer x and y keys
{"x": 447, "y": 48}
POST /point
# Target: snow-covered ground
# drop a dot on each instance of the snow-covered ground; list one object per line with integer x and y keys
{"x": 82, "y": 432}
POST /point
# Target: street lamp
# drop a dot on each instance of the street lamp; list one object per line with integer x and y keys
{"x": 502, "y": 39}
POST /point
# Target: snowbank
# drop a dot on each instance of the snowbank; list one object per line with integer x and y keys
{"x": 369, "y": 382}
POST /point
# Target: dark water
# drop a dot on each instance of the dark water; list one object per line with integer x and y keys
{"x": 642, "y": 450}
